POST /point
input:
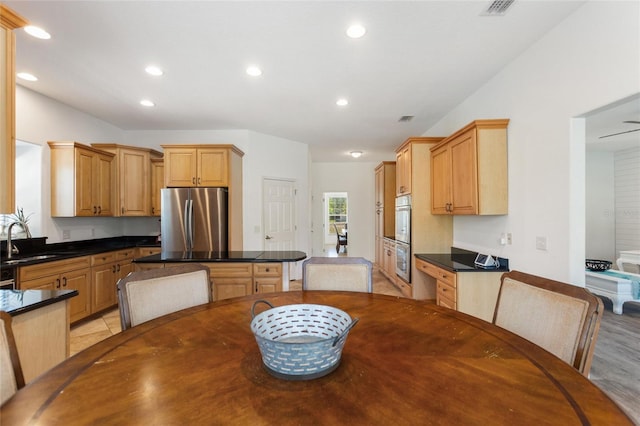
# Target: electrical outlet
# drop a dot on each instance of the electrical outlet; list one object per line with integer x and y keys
{"x": 509, "y": 240}
{"x": 66, "y": 234}
{"x": 541, "y": 243}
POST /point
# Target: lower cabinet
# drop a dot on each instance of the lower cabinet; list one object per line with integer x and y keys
{"x": 267, "y": 277}
{"x": 106, "y": 270}
{"x": 474, "y": 293}
{"x": 389, "y": 259}
{"x": 67, "y": 274}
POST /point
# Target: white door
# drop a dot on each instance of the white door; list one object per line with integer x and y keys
{"x": 278, "y": 213}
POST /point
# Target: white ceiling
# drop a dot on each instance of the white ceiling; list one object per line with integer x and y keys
{"x": 417, "y": 58}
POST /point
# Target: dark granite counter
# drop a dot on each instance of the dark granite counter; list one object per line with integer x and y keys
{"x": 227, "y": 256}
{"x": 460, "y": 260}
{"x": 16, "y": 302}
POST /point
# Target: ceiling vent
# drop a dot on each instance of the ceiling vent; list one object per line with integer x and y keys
{"x": 405, "y": 118}
{"x": 497, "y": 8}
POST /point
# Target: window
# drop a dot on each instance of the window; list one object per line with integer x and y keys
{"x": 336, "y": 213}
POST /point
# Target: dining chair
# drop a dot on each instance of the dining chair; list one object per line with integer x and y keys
{"x": 341, "y": 240}
{"x": 145, "y": 295}
{"x": 11, "y": 377}
{"x": 563, "y": 319}
{"x": 337, "y": 273}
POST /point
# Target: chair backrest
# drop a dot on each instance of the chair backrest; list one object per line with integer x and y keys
{"x": 11, "y": 377}
{"x": 563, "y": 319}
{"x": 337, "y": 273}
{"x": 145, "y": 295}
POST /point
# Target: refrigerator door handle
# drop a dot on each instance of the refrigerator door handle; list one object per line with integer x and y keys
{"x": 190, "y": 230}
{"x": 186, "y": 223}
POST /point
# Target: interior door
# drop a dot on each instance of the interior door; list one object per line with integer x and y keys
{"x": 278, "y": 214}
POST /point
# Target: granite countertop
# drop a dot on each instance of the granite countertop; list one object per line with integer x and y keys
{"x": 460, "y": 260}
{"x": 16, "y": 302}
{"x": 228, "y": 256}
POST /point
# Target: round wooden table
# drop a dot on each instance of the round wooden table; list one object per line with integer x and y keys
{"x": 405, "y": 362}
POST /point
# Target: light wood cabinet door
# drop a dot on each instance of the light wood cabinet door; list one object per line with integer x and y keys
{"x": 79, "y": 306}
{"x": 135, "y": 182}
{"x": 180, "y": 167}
{"x": 464, "y": 174}
{"x": 51, "y": 282}
{"x": 226, "y": 288}
{"x": 157, "y": 184}
{"x": 440, "y": 181}
{"x": 104, "y": 184}
{"x": 84, "y": 183}
{"x": 104, "y": 287}
{"x": 213, "y": 167}
{"x": 9, "y": 22}
{"x": 403, "y": 170}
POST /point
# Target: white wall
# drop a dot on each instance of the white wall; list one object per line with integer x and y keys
{"x": 589, "y": 60}
{"x": 600, "y": 204}
{"x": 358, "y": 181}
{"x": 627, "y": 199}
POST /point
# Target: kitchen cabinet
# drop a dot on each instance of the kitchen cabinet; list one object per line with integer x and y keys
{"x": 107, "y": 269}
{"x": 66, "y": 274}
{"x": 385, "y": 188}
{"x": 403, "y": 169}
{"x": 133, "y": 178}
{"x": 157, "y": 184}
{"x": 469, "y": 171}
{"x": 429, "y": 233}
{"x": 148, "y": 251}
{"x": 9, "y": 21}
{"x": 82, "y": 180}
{"x": 474, "y": 293}
{"x": 209, "y": 166}
{"x": 388, "y": 267}
{"x": 204, "y": 165}
{"x": 267, "y": 277}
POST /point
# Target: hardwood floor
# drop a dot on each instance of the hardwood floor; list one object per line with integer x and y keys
{"x": 615, "y": 368}
{"x": 616, "y": 360}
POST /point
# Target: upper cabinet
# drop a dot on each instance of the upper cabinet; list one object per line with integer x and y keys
{"x": 199, "y": 165}
{"x": 9, "y": 21}
{"x": 133, "y": 178}
{"x": 403, "y": 169}
{"x": 82, "y": 180}
{"x": 157, "y": 183}
{"x": 469, "y": 170}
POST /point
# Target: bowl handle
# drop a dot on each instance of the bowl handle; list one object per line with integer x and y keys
{"x": 253, "y": 308}
{"x": 346, "y": 330}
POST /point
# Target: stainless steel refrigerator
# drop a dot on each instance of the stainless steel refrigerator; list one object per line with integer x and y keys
{"x": 194, "y": 219}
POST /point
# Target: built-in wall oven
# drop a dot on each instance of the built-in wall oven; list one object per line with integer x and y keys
{"x": 403, "y": 237}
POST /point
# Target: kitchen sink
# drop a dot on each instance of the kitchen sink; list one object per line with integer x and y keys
{"x": 28, "y": 259}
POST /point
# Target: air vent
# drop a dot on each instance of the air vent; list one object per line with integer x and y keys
{"x": 405, "y": 118}
{"x": 497, "y": 8}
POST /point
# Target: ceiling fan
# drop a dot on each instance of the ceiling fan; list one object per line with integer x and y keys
{"x": 626, "y": 131}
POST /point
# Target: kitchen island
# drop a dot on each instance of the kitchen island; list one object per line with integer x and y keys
{"x": 233, "y": 273}
{"x": 40, "y": 322}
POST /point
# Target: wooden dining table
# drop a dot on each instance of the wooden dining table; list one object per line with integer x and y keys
{"x": 406, "y": 362}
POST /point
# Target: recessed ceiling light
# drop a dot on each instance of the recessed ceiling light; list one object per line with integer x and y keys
{"x": 154, "y": 70}
{"x": 342, "y": 102}
{"x": 147, "y": 103}
{"x": 356, "y": 31}
{"x": 254, "y": 71}
{"x": 37, "y": 32}
{"x": 27, "y": 76}
{"x": 356, "y": 154}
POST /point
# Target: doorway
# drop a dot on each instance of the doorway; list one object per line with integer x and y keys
{"x": 335, "y": 218}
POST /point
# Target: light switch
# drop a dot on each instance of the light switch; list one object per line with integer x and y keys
{"x": 541, "y": 243}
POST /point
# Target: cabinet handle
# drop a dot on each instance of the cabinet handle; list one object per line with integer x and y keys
{"x": 193, "y": 180}
{"x": 99, "y": 209}
{"x": 64, "y": 281}
{"x": 199, "y": 181}
{"x": 153, "y": 210}
{"x": 122, "y": 210}
{"x": 113, "y": 269}
{"x": 57, "y": 282}
{"x": 118, "y": 267}
{"x": 94, "y": 209}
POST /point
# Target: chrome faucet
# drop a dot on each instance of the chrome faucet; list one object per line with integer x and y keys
{"x": 11, "y": 249}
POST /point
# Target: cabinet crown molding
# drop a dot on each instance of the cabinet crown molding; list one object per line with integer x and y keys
{"x": 115, "y": 146}
{"x": 419, "y": 139}
{"x": 72, "y": 144}
{"x": 10, "y": 19}
{"x": 213, "y": 145}
{"x": 499, "y": 123}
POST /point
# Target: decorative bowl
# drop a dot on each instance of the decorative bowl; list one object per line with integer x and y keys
{"x": 597, "y": 265}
